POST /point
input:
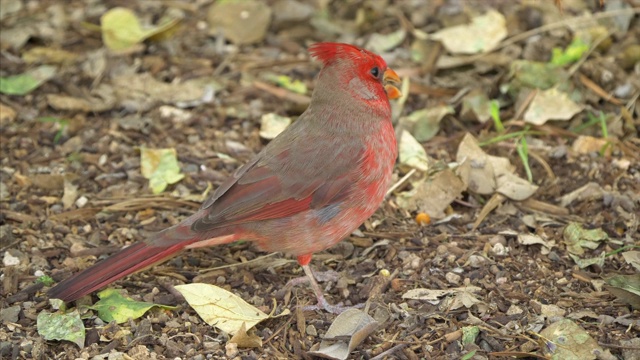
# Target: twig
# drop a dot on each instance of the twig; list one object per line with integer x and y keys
{"x": 258, "y": 259}
{"x": 556, "y": 25}
{"x": 400, "y": 182}
{"x": 389, "y": 352}
{"x": 283, "y": 93}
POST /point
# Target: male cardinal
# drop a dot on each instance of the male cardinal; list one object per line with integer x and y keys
{"x": 309, "y": 188}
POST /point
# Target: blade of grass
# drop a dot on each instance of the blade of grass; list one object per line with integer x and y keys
{"x": 523, "y": 151}
{"x": 62, "y": 124}
{"x": 495, "y": 115}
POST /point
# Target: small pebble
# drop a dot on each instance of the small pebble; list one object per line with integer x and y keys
{"x": 476, "y": 261}
{"x": 500, "y": 250}
{"x": 558, "y": 152}
{"x": 311, "y": 330}
{"x": 231, "y": 350}
{"x": 498, "y": 239}
{"x": 623, "y": 91}
{"x": 10, "y": 314}
{"x": 514, "y": 310}
{"x": 10, "y": 260}
{"x": 452, "y": 278}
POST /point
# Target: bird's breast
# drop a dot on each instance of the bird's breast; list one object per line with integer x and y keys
{"x": 377, "y": 164}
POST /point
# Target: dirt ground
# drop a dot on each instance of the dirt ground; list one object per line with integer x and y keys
{"x": 72, "y": 190}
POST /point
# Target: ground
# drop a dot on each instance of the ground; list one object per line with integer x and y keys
{"x": 72, "y": 190}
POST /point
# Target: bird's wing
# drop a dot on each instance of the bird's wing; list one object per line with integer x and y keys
{"x": 294, "y": 173}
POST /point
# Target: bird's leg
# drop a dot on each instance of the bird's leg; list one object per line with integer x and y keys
{"x": 304, "y": 260}
{"x": 322, "y": 302}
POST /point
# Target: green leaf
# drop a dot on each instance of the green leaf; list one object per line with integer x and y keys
{"x": 113, "y": 306}
{"x": 425, "y": 123}
{"x": 46, "y": 280}
{"x": 626, "y": 288}
{"x": 469, "y": 334}
{"x": 577, "y": 238}
{"x": 533, "y": 74}
{"x": 26, "y": 82}
{"x": 584, "y": 263}
{"x": 296, "y": 86}
{"x": 161, "y": 167}
{"x": 571, "y": 54}
{"x": 61, "y": 326}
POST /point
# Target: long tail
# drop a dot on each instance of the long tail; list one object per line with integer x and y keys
{"x": 129, "y": 260}
{"x": 134, "y": 258}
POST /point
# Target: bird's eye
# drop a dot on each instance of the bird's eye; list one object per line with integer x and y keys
{"x": 375, "y": 72}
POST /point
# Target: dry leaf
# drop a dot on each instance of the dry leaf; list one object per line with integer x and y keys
{"x": 550, "y": 105}
{"x": 432, "y": 195}
{"x": 220, "y": 308}
{"x": 245, "y": 340}
{"x": 483, "y": 34}
{"x": 242, "y": 22}
{"x": 411, "y": 152}
{"x": 354, "y": 325}
{"x": 273, "y": 124}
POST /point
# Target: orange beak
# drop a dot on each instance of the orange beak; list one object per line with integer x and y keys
{"x": 388, "y": 78}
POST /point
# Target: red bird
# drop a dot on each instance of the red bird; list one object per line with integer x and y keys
{"x": 308, "y": 189}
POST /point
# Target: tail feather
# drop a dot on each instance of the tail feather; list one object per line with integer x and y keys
{"x": 129, "y": 260}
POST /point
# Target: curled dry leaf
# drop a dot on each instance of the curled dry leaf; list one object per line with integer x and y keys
{"x": 463, "y": 296}
{"x": 411, "y": 152}
{"x": 354, "y": 325}
{"x": 590, "y": 192}
{"x": 633, "y": 258}
{"x": 246, "y": 339}
{"x": 486, "y": 174}
{"x": 626, "y": 288}
{"x": 532, "y": 239}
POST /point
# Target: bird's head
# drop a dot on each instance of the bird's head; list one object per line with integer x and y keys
{"x": 361, "y": 72}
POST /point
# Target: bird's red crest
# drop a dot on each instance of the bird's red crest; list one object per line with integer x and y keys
{"x": 327, "y": 52}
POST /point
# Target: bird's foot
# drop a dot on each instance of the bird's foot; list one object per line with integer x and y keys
{"x": 323, "y": 304}
{"x": 323, "y": 276}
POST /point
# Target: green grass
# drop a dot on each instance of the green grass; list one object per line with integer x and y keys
{"x": 495, "y": 115}
{"x": 523, "y": 151}
{"x": 62, "y": 123}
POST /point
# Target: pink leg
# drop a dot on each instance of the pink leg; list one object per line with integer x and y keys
{"x": 322, "y": 302}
